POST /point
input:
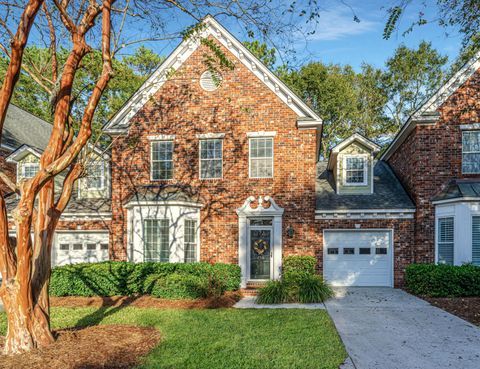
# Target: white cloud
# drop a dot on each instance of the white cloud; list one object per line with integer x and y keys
{"x": 338, "y": 23}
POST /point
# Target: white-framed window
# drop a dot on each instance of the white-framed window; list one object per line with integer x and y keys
{"x": 211, "y": 158}
{"x": 95, "y": 179}
{"x": 157, "y": 240}
{"x": 29, "y": 170}
{"x": 261, "y": 157}
{"x": 476, "y": 240}
{"x": 445, "y": 240}
{"x": 355, "y": 170}
{"x": 470, "y": 152}
{"x": 161, "y": 160}
{"x": 190, "y": 240}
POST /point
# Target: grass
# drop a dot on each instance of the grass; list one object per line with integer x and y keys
{"x": 223, "y": 338}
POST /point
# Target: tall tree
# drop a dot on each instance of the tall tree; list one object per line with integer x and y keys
{"x": 411, "y": 75}
{"x": 261, "y": 50}
{"x": 88, "y": 32}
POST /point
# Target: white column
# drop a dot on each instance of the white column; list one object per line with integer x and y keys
{"x": 277, "y": 246}
{"x": 242, "y": 248}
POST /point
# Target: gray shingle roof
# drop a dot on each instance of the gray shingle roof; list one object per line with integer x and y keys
{"x": 21, "y": 127}
{"x": 388, "y": 192}
{"x": 459, "y": 188}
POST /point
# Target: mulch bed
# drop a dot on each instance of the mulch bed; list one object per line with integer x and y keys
{"x": 225, "y": 301}
{"x": 103, "y": 346}
{"x": 467, "y": 308}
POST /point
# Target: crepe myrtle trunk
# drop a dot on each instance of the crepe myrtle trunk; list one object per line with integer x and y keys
{"x": 26, "y": 265}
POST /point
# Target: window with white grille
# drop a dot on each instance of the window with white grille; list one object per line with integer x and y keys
{"x": 471, "y": 152}
{"x": 211, "y": 158}
{"x": 261, "y": 157}
{"x": 162, "y": 160}
{"x": 355, "y": 170}
{"x": 445, "y": 240}
{"x": 190, "y": 240}
{"x": 157, "y": 240}
{"x": 95, "y": 179}
{"x": 29, "y": 170}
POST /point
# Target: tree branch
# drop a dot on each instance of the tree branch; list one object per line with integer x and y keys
{"x": 8, "y": 181}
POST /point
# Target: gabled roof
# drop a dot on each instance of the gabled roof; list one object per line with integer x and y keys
{"x": 427, "y": 113}
{"x": 21, "y": 152}
{"x": 356, "y": 137}
{"x": 119, "y": 123}
{"x": 21, "y": 128}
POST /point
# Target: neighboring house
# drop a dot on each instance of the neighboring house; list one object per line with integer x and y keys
{"x": 223, "y": 166}
{"x": 83, "y": 231}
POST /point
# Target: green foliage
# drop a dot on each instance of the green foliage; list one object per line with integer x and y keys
{"x": 124, "y": 278}
{"x": 394, "y": 15}
{"x": 262, "y": 52}
{"x": 298, "y": 267}
{"x": 443, "y": 280}
{"x": 299, "y": 283}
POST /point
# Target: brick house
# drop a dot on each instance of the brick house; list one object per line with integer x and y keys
{"x": 223, "y": 166}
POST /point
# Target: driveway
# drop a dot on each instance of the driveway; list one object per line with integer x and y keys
{"x": 384, "y": 328}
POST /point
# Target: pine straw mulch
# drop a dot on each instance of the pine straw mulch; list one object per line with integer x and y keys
{"x": 225, "y": 301}
{"x": 467, "y": 308}
{"x": 102, "y": 346}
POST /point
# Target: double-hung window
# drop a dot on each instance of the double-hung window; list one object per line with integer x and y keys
{"x": 445, "y": 240}
{"x": 157, "y": 240}
{"x": 211, "y": 156}
{"x": 476, "y": 240}
{"x": 162, "y": 160}
{"x": 190, "y": 240}
{"x": 29, "y": 170}
{"x": 261, "y": 157}
{"x": 95, "y": 179}
{"x": 355, "y": 170}
{"x": 470, "y": 152}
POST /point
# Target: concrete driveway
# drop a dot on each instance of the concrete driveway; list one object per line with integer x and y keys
{"x": 384, "y": 328}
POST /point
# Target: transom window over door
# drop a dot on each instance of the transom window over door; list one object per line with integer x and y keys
{"x": 211, "y": 158}
{"x": 162, "y": 160}
{"x": 157, "y": 240}
{"x": 355, "y": 170}
{"x": 445, "y": 240}
{"x": 470, "y": 152}
{"x": 261, "y": 157}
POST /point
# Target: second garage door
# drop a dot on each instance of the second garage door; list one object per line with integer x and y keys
{"x": 80, "y": 247}
{"x": 358, "y": 258}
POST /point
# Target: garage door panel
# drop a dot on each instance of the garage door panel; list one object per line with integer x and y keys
{"x": 80, "y": 247}
{"x": 373, "y": 269}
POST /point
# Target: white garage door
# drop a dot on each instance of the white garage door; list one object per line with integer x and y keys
{"x": 80, "y": 247}
{"x": 358, "y": 258}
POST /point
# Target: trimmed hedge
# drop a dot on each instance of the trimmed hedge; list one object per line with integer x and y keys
{"x": 298, "y": 267}
{"x": 118, "y": 278}
{"x": 443, "y": 280}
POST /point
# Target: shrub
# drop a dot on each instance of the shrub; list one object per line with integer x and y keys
{"x": 125, "y": 278}
{"x": 313, "y": 289}
{"x": 295, "y": 268}
{"x": 178, "y": 286}
{"x": 443, "y": 280}
{"x": 274, "y": 292}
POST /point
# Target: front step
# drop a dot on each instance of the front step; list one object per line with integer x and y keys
{"x": 252, "y": 288}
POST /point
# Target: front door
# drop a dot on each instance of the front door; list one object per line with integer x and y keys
{"x": 260, "y": 253}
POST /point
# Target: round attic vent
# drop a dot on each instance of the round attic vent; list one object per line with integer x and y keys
{"x": 210, "y": 81}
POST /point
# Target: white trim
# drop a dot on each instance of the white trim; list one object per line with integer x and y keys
{"x": 200, "y": 159}
{"x": 161, "y": 137}
{"x": 21, "y": 152}
{"x": 391, "y": 246}
{"x": 437, "y": 218}
{"x": 365, "y": 169}
{"x": 356, "y": 137}
{"x": 364, "y": 214}
{"x": 250, "y": 157}
{"x": 82, "y": 231}
{"x": 456, "y": 199}
{"x": 133, "y": 203}
{"x": 121, "y": 120}
{"x": 261, "y": 134}
{"x": 470, "y": 127}
{"x": 207, "y": 136}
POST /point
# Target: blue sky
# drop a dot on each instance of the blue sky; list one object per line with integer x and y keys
{"x": 338, "y": 39}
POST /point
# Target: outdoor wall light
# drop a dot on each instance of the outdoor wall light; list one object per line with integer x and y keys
{"x": 290, "y": 231}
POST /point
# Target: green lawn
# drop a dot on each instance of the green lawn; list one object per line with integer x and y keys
{"x": 224, "y": 338}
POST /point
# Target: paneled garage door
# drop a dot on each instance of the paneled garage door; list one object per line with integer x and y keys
{"x": 357, "y": 257}
{"x": 80, "y": 247}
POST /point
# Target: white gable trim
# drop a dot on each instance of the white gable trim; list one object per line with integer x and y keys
{"x": 21, "y": 152}
{"x": 427, "y": 113}
{"x": 120, "y": 122}
{"x": 355, "y": 137}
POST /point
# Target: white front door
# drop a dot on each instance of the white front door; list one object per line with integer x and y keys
{"x": 358, "y": 257}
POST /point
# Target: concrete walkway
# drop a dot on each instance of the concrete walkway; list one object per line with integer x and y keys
{"x": 385, "y": 328}
{"x": 248, "y": 302}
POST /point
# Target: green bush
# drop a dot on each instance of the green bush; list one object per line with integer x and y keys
{"x": 443, "y": 280}
{"x": 295, "y": 268}
{"x": 178, "y": 286}
{"x": 299, "y": 283}
{"x": 124, "y": 278}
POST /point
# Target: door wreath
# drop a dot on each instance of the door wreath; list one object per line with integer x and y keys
{"x": 260, "y": 246}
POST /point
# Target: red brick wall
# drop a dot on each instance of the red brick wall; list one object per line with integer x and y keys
{"x": 242, "y": 104}
{"x": 9, "y": 169}
{"x": 403, "y": 234}
{"x": 432, "y": 156}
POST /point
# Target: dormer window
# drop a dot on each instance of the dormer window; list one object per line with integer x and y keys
{"x": 95, "y": 176}
{"x": 355, "y": 168}
{"x": 29, "y": 170}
